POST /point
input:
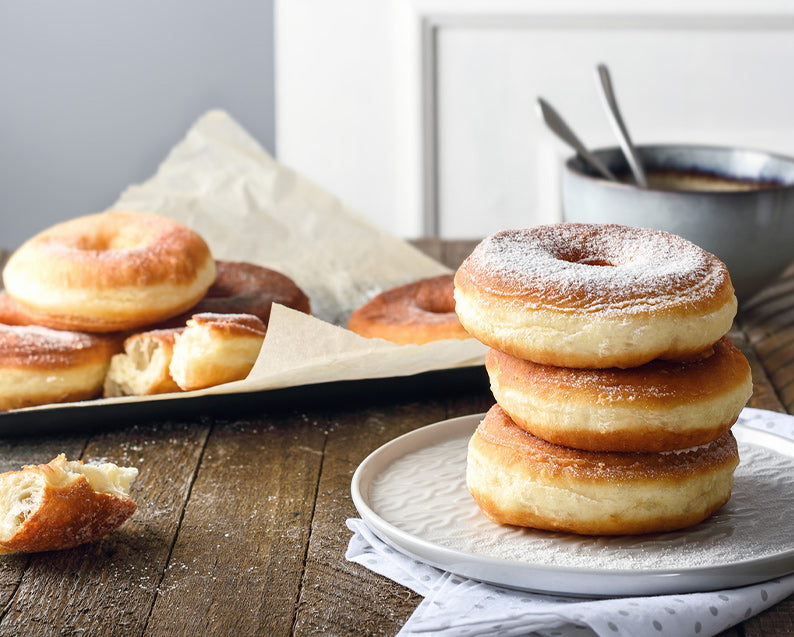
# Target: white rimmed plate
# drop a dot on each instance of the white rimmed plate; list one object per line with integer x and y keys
{"x": 412, "y": 493}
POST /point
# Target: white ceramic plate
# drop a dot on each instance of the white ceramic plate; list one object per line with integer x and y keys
{"x": 412, "y": 493}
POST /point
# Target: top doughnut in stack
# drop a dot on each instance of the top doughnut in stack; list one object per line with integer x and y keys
{"x": 616, "y": 386}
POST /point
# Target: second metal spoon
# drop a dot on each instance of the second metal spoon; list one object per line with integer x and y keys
{"x": 615, "y": 118}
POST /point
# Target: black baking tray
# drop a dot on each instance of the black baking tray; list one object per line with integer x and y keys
{"x": 104, "y": 415}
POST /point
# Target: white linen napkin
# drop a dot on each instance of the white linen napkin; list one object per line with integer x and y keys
{"x": 457, "y": 606}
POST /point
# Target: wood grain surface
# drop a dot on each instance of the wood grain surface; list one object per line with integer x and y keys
{"x": 241, "y": 529}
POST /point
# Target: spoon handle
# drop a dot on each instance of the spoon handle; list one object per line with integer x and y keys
{"x": 557, "y": 124}
{"x": 611, "y": 103}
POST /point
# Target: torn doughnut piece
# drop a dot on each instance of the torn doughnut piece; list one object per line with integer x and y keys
{"x": 62, "y": 504}
{"x": 215, "y": 349}
{"x": 142, "y": 369}
{"x": 210, "y": 350}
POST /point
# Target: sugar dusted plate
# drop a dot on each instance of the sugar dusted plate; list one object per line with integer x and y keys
{"x": 412, "y": 493}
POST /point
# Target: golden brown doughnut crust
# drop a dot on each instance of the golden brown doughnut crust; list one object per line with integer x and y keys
{"x": 39, "y": 365}
{"x": 59, "y": 507}
{"x": 110, "y": 271}
{"x": 519, "y": 479}
{"x": 12, "y": 313}
{"x": 99, "y": 515}
{"x": 230, "y": 324}
{"x": 660, "y": 406}
{"x": 595, "y": 296}
{"x": 246, "y": 288}
{"x": 418, "y": 312}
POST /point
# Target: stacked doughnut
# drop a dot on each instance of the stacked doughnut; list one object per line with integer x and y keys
{"x": 615, "y": 384}
{"x": 93, "y": 295}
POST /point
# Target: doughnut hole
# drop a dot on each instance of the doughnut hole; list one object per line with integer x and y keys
{"x": 104, "y": 238}
{"x": 584, "y": 256}
{"x": 597, "y": 262}
{"x": 436, "y": 296}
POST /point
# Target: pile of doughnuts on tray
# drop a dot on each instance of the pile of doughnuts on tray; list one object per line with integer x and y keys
{"x": 129, "y": 303}
{"x": 615, "y": 385}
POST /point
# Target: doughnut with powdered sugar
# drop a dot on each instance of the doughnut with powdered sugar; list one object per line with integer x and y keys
{"x": 659, "y": 406}
{"x": 517, "y": 478}
{"x": 108, "y": 272}
{"x": 594, "y": 296}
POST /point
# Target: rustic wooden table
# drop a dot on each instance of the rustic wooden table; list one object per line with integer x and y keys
{"x": 241, "y": 529}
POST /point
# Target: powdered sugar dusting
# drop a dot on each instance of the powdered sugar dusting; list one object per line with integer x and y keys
{"x": 232, "y": 321}
{"x": 596, "y": 267}
{"x": 37, "y": 346}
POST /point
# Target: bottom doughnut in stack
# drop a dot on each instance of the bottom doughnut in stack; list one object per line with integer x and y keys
{"x": 517, "y": 478}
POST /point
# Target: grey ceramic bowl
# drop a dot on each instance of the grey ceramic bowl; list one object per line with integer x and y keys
{"x": 738, "y": 204}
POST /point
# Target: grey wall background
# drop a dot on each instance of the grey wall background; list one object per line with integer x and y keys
{"x": 94, "y": 93}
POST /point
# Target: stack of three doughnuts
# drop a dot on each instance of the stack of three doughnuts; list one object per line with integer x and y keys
{"x": 615, "y": 384}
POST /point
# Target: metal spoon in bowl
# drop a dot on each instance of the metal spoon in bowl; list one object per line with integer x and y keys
{"x": 611, "y": 105}
{"x": 558, "y": 126}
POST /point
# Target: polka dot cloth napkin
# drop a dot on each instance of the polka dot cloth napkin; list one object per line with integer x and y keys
{"x": 456, "y": 606}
